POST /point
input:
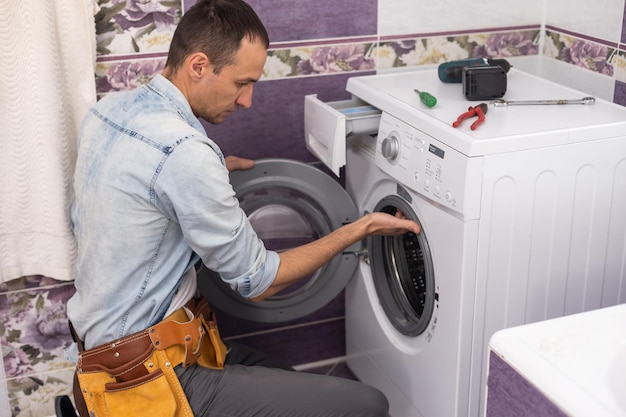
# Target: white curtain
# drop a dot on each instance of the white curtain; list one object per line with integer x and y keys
{"x": 47, "y": 61}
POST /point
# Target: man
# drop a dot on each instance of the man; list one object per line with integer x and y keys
{"x": 152, "y": 196}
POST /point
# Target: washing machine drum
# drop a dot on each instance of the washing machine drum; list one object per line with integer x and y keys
{"x": 289, "y": 204}
{"x": 402, "y": 271}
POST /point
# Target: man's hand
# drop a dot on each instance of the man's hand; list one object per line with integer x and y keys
{"x": 380, "y": 224}
{"x": 234, "y": 163}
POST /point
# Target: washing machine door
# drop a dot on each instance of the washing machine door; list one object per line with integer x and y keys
{"x": 289, "y": 204}
{"x": 402, "y": 269}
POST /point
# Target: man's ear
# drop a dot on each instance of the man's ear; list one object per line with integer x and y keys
{"x": 198, "y": 65}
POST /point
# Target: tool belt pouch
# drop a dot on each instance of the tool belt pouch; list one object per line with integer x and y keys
{"x": 213, "y": 351}
{"x": 135, "y": 375}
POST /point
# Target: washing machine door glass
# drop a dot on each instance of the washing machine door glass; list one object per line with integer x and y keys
{"x": 402, "y": 271}
{"x": 289, "y": 204}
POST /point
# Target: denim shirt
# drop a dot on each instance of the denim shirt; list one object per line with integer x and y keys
{"x": 152, "y": 194}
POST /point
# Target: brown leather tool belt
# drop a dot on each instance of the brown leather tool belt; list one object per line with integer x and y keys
{"x": 135, "y": 375}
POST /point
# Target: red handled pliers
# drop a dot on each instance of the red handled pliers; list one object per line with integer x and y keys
{"x": 479, "y": 111}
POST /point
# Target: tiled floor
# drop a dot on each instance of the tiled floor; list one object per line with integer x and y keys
{"x": 339, "y": 369}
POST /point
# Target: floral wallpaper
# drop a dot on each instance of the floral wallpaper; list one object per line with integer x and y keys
{"x": 134, "y": 26}
{"x": 308, "y": 60}
{"x": 415, "y": 52}
{"x": 126, "y": 75}
{"x": 33, "y": 335}
{"x": 618, "y": 62}
{"x": 133, "y": 37}
{"x": 585, "y": 54}
{"x": 127, "y": 72}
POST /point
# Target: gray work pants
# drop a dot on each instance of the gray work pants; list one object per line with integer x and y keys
{"x": 251, "y": 384}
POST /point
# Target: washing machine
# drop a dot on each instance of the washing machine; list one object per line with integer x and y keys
{"x": 522, "y": 220}
{"x": 398, "y": 337}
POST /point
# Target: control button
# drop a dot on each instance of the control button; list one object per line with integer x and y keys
{"x": 437, "y": 189}
{"x": 390, "y": 147}
{"x": 416, "y": 177}
{"x": 426, "y": 183}
{"x": 448, "y": 196}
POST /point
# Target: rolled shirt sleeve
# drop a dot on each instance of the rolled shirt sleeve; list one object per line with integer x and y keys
{"x": 255, "y": 284}
{"x": 194, "y": 189}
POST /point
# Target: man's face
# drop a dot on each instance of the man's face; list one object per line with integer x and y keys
{"x": 221, "y": 94}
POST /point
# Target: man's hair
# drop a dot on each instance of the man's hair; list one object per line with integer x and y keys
{"x": 215, "y": 27}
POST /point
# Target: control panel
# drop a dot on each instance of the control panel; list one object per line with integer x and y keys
{"x": 427, "y": 166}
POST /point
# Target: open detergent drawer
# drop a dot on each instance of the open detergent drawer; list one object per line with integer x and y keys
{"x": 326, "y": 126}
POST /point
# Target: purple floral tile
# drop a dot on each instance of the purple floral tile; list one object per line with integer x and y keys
{"x": 325, "y": 59}
{"x": 290, "y": 20}
{"x": 580, "y": 52}
{"x": 296, "y": 20}
{"x": 508, "y": 44}
{"x": 618, "y": 62}
{"x": 619, "y": 95}
{"x": 34, "y": 396}
{"x": 34, "y": 330}
{"x": 334, "y": 58}
{"x": 28, "y": 282}
{"x": 134, "y": 26}
{"x": 434, "y": 50}
{"x": 127, "y": 74}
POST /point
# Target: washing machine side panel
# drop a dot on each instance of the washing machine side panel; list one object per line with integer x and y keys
{"x": 614, "y": 289}
{"x": 432, "y": 369}
{"x": 552, "y": 237}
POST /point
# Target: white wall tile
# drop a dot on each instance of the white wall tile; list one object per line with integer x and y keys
{"x": 589, "y": 82}
{"x": 600, "y": 19}
{"x": 427, "y": 16}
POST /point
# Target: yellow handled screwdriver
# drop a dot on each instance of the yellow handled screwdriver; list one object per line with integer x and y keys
{"x": 426, "y": 98}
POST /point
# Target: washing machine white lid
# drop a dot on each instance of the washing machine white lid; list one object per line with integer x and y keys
{"x": 284, "y": 188}
{"x": 505, "y": 129}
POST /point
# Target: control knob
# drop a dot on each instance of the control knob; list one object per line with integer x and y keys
{"x": 390, "y": 147}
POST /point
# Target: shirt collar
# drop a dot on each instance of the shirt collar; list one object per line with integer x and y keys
{"x": 165, "y": 88}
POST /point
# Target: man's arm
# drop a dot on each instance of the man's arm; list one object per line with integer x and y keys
{"x": 303, "y": 260}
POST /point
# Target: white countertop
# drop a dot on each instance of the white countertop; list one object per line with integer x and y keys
{"x": 578, "y": 361}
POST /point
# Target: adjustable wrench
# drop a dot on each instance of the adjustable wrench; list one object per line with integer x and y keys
{"x": 504, "y": 103}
